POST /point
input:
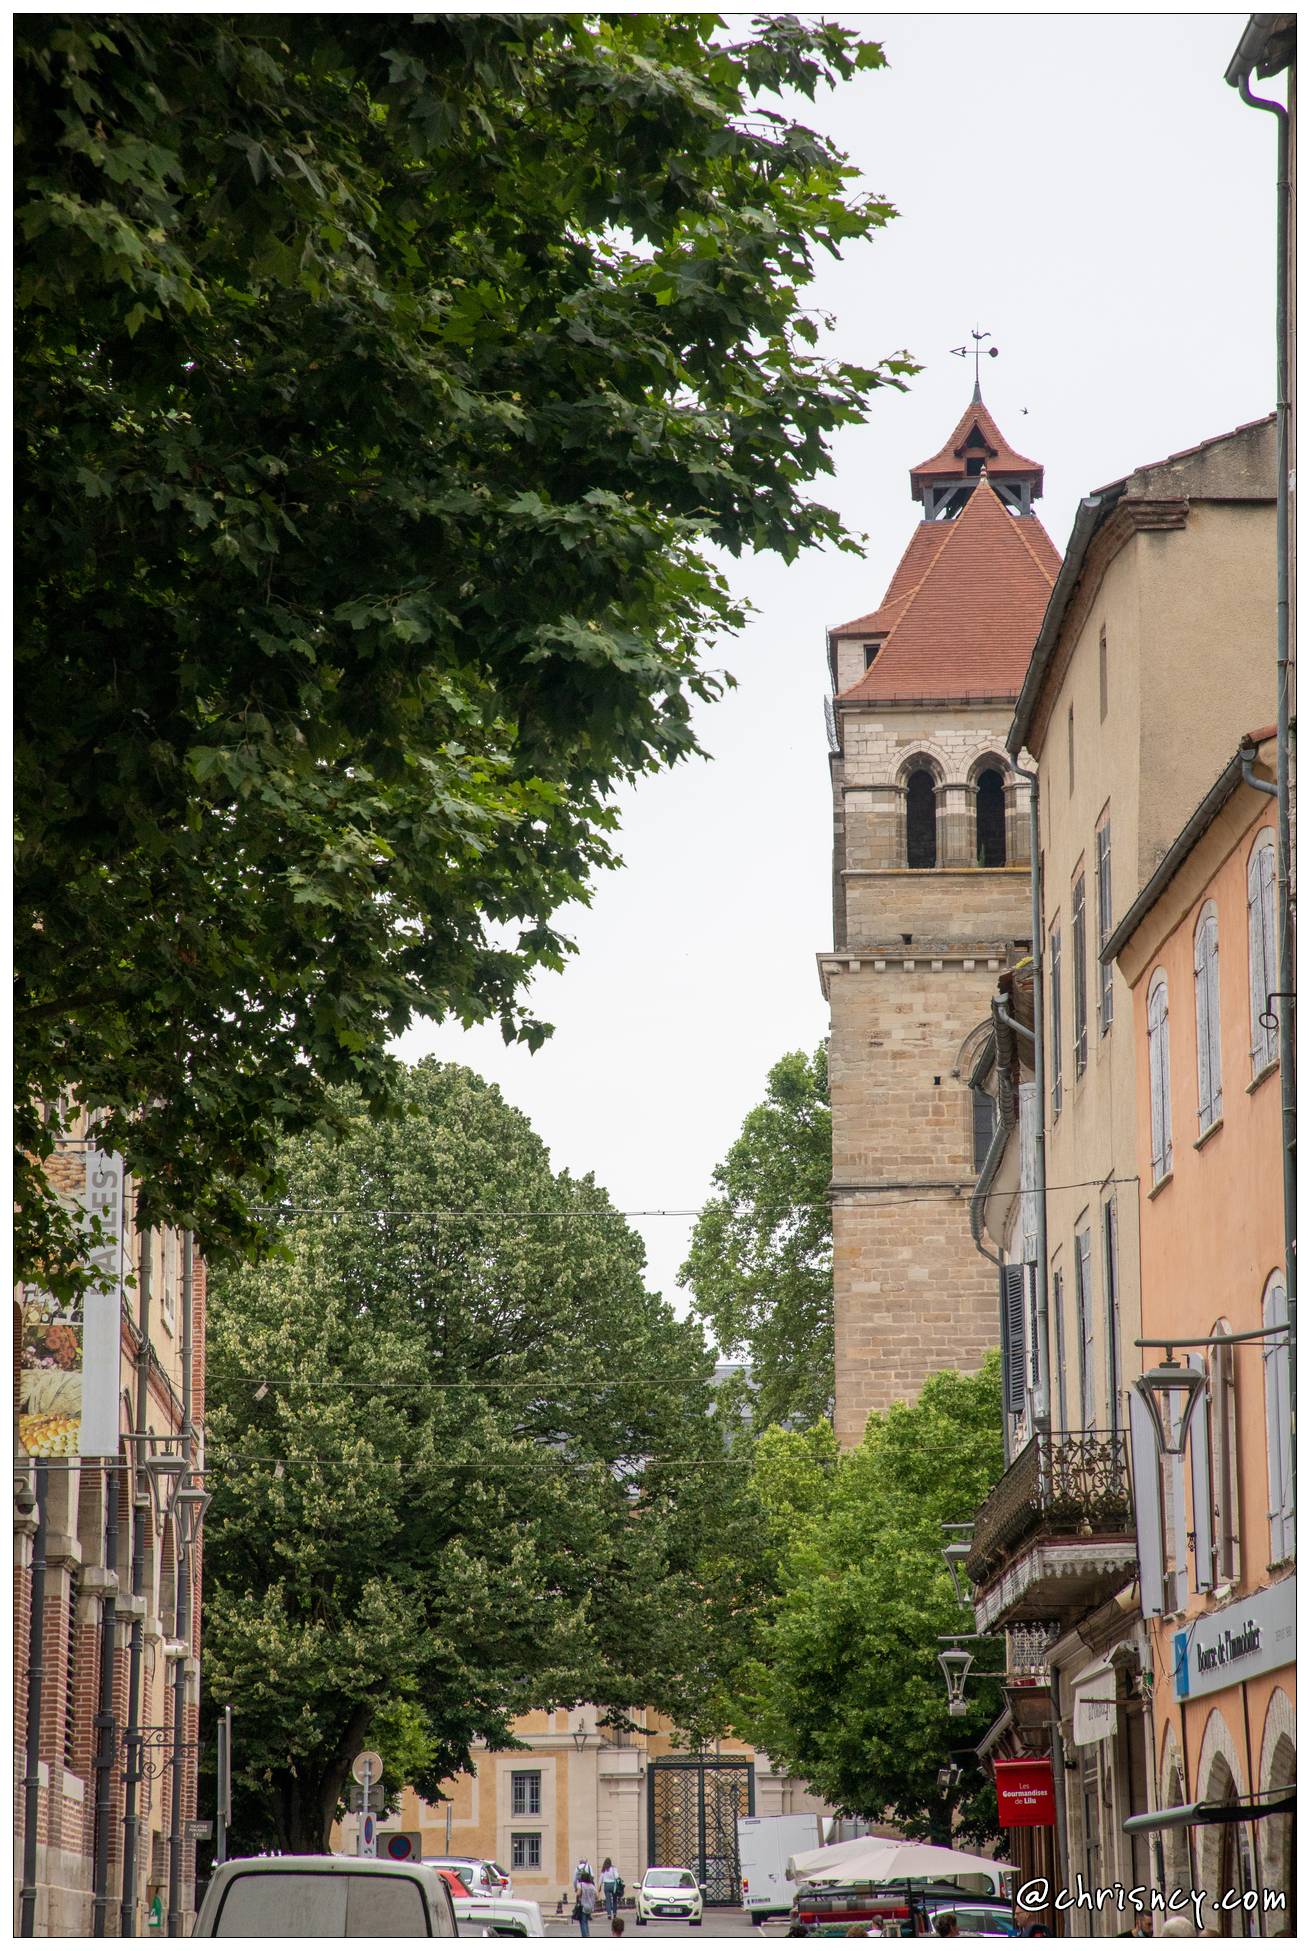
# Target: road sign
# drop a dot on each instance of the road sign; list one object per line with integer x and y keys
{"x": 198, "y": 1830}
{"x": 367, "y": 1764}
{"x": 368, "y": 1835}
{"x": 401, "y": 1845}
{"x": 377, "y": 1799}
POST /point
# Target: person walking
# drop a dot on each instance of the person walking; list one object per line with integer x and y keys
{"x": 611, "y": 1888}
{"x": 585, "y": 1906}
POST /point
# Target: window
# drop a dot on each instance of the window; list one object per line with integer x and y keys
{"x": 1157, "y": 1054}
{"x": 1057, "y": 1306}
{"x": 70, "y": 1675}
{"x": 1053, "y": 1055}
{"x": 989, "y": 797}
{"x": 1205, "y": 969}
{"x": 1104, "y": 924}
{"x": 1223, "y": 1457}
{"x": 921, "y": 819}
{"x": 525, "y": 1792}
{"x": 525, "y": 1851}
{"x": 1103, "y": 661}
{"x": 1071, "y": 751}
{"x": 1278, "y": 1426}
{"x": 984, "y": 1124}
{"x": 1114, "y": 1366}
{"x": 1082, "y": 1275}
{"x": 870, "y": 652}
{"x": 1263, "y": 949}
{"x": 1079, "y": 976}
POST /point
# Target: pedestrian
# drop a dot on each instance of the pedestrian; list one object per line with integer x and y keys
{"x": 611, "y": 1888}
{"x": 949, "y": 1925}
{"x": 616, "y": 1927}
{"x": 586, "y": 1900}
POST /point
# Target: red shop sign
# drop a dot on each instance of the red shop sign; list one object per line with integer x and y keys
{"x": 1025, "y": 1794}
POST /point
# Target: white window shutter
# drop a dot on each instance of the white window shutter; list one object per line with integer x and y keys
{"x": 1086, "y": 1328}
{"x": 1146, "y": 1507}
{"x": 1278, "y": 1429}
{"x": 1198, "y": 1439}
{"x": 1165, "y": 1098}
{"x": 1202, "y": 1029}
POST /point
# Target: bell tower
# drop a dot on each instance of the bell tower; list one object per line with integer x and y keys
{"x": 930, "y": 903}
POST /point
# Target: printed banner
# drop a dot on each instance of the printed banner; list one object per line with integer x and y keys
{"x": 1025, "y": 1793}
{"x": 69, "y": 1358}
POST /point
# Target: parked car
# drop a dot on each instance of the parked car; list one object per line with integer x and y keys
{"x": 499, "y": 1917}
{"x": 670, "y": 1891}
{"x": 325, "y": 1896}
{"x": 901, "y": 1910}
{"x": 482, "y": 1877}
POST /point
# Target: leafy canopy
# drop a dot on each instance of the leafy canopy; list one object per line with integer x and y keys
{"x": 760, "y": 1265}
{"x": 463, "y": 1465}
{"x": 381, "y": 381}
{"x": 844, "y": 1688}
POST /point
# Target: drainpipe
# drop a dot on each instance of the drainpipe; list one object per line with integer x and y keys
{"x": 182, "y": 1615}
{"x": 35, "y": 1690}
{"x": 140, "y": 1506}
{"x": 1286, "y": 973}
{"x": 1042, "y": 1407}
{"x": 106, "y": 1724}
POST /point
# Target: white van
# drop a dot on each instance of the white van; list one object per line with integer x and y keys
{"x": 764, "y": 1844}
{"x": 325, "y": 1896}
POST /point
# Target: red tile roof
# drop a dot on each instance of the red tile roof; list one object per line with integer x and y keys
{"x": 1001, "y": 458}
{"x": 963, "y": 610}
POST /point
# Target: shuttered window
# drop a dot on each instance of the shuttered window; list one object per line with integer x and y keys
{"x": 1079, "y": 946}
{"x": 1263, "y": 950}
{"x": 1278, "y": 1426}
{"x": 1112, "y": 1353}
{"x": 1198, "y": 1443}
{"x": 1157, "y": 1050}
{"x": 1082, "y": 1275}
{"x": 1147, "y": 1506}
{"x": 1223, "y": 1458}
{"x": 1061, "y": 1390}
{"x": 1053, "y": 1054}
{"x": 1012, "y": 1348}
{"x": 1104, "y": 925}
{"x": 1205, "y": 970}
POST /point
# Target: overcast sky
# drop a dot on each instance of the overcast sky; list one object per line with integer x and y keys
{"x": 1090, "y": 191}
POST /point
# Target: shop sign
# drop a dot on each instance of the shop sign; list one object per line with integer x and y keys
{"x": 1094, "y": 1706}
{"x": 69, "y": 1364}
{"x": 1025, "y": 1794}
{"x": 1249, "y": 1637}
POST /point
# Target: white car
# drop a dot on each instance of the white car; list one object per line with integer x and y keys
{"x": 499, "y": 1917}
{"x": 324, "y": 1896}
{"x": 479, "y": 1875}
{"x": 670, "y": 1891}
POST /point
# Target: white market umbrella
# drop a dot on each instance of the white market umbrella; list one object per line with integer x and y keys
{"x": 881, "y": 1859}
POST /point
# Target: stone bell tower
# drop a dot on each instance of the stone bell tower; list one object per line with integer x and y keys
{"x": 930, "y": 902}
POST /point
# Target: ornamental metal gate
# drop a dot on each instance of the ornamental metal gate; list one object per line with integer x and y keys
{"x": 692, "y": 1808}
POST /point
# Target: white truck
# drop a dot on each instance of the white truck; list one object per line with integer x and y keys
{"x": 764, "y": 1844}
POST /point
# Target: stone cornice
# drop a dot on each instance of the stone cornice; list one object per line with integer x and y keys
{"x": 917, "y": 959}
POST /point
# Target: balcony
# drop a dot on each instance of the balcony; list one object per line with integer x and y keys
{"x": 1055, "y": 1538}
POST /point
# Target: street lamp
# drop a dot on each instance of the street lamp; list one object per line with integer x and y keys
{"x": 1158, "y": 1387}
{"x": 955, "y": 1662}
{"x": 956, "y": 1555}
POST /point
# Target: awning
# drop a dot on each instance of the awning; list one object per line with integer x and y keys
{"x": 1095, "y": 1705}
{"x": 1190, "y": 1815}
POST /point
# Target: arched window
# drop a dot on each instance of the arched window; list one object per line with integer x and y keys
{"x": 1278, "y": 1425}
{"x": 1263, "y": 948}
{"x": 1157, "y": 1051}
{"x": 1205, "y": 969}
{"x": 990, "y": 814}
{"x": 921, "y": 819}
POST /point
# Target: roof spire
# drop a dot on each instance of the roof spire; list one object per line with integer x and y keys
{"x": 963, "y": 351}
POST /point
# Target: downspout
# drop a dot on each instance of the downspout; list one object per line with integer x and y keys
{"x": 35, "y": 1690}
{"x": 1286, "y": 973}
{"x": 132, "y": 1771}
{"x": 1042, "y": 1407}
{"x": 991, "y": 1164}
{"x": 106, "y": 1724}
{"x": 182, "y": 1619}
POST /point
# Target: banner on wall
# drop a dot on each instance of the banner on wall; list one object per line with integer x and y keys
{"x": 1025, "y": 1793}
{"x": 69, "y": 1356}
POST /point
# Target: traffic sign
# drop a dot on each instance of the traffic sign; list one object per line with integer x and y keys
{"x": 368, "y": 1836}
{"x": 367, "y": 1765}
{"x": 377, "y": 1799}
{"x": 401, "y": 1845}
{"x": 199, "y": 1830}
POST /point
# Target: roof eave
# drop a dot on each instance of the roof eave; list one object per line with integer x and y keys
{"x": 1093, "y": 510}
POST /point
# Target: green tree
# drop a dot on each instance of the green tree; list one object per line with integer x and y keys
{"x": 760, "y": 1265}
{"x": 463, "y": 1465}
{"x": 844, "y": 1686}
{"x": 382, "y": 380}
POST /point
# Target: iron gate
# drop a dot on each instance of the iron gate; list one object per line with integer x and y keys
{"x": 692, "y": 1809}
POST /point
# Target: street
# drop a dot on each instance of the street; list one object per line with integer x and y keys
{"x": 728, "y": 1922}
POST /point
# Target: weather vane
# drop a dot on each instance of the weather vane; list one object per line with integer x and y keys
{"x": 963, "y": 352}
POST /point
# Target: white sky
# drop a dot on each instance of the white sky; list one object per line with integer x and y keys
{"x": 1087, "y": 189}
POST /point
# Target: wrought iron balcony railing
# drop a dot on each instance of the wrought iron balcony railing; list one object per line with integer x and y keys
{"x": 1071, "y": 1484}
